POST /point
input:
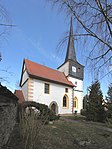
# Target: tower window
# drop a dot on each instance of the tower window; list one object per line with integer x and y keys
{"x": 47, "y": 88}
{"x": 66, "y": 90}
{"x": 75, "y": 82}
{"x": 78, "y": 69}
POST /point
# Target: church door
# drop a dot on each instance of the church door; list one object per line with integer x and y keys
{"x": 54, "y": 107}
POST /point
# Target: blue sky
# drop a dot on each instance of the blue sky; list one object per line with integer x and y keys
{"x": 38, "y": 30}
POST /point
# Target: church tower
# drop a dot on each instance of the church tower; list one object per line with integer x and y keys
{"x": 74, "y": 72}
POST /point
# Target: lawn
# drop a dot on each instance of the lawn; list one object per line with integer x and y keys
{"x": 69, "y": 135}
{"x": 66, "y": 134}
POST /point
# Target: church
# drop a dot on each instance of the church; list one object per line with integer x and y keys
{"x": 61, "y": 89}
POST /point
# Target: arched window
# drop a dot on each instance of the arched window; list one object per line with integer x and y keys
{"x": 75, "y": 102}
{"x": 65, "y": 101}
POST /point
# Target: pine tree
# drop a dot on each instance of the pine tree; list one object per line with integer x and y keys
{"x": 85, "y": 101}
{"x": 95, "y": 109}
{"x": 109, "y": 103}
{"x": 109, "y": 93}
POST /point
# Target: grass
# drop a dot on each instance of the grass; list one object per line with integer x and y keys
{"x": 69, "y": 135}
{"x": 75, "y": 117}
{"x": 64, "y": 135}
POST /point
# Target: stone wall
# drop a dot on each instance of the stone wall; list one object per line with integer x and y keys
{"x": 8, "y": 114}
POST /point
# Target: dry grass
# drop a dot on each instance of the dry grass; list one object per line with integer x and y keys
{"x": 30, "y": 128}
{"x": 64, "y": 135}
{"x": 68, "y": 135}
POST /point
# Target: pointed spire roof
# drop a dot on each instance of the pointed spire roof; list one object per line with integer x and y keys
{"x": 71, "y": 55}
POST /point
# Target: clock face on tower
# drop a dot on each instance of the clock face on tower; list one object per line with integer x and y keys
{"x": 73, "y": 68}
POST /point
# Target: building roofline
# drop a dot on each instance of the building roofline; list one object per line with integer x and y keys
{"x": 70, "y": 60}
{"x": 49, "y": 80}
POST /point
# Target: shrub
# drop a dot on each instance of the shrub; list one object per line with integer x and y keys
{"x": 75, "y": 112}
{"x": 83, "y": 112}
{"x": 52, "y": 116}
{"x": 33, "y": 116}
{"x": 41, "y": 110}
{"x": 30, "y": 129}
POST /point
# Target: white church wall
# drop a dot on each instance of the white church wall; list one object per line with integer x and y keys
{"x": 56, "y": 94}
{"x": 78, "y": 92}
{"x": 25, "y": 77}
{"x": 78, "y": 83}
{"x": 30, "y": 89}
{"x": 24, "y": 84}
{"x": 65, "y": 68}
{"x": 79, "y": 96}
{"x": 25, "y": 90}
{"x": 24, "y": 67}
{"x": 33, "y": 90}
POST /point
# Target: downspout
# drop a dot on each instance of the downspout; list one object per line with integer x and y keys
{"x": 73, "y": 100}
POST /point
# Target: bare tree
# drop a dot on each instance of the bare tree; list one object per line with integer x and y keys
{"x": 5, "y": 26}
{"x": 94, "y": 21}
{"x": 5, "y": 22}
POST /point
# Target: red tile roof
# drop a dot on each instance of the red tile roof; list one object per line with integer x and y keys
{"x": 19, "y": 94}
{"x": 45, "y": 73}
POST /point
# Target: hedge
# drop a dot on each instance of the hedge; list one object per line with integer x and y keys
{"x": 43, "y": 109}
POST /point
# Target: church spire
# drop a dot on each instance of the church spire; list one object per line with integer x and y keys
{"x": 70, "y": 55}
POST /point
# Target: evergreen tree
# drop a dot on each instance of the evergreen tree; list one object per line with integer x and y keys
{"x": 95, "y": 110}
{"x": 109, "y": 93}
{"x": 85, "y": 101}
{"x": 109, "y": 103}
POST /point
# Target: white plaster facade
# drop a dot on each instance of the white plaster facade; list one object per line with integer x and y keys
{"x": 64, "y": 68}
{"x": 78, "y": 92}
{"x": 24, "y": 84}
{"x": 78, "y": 89}
{"x": 56, "y": 94}
{"x": 33, "y": 90}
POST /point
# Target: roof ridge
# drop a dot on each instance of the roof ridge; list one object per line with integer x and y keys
{"x": 44, "y": 66}
{"x": 45, "y": 73}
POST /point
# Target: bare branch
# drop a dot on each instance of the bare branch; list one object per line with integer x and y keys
{"x": 94, "y": 21}
{"x": 105, "y": 15}
{"x": 87, "y": 29}
{"x": 101, "y": 56}
{"x": 10, "y": 25}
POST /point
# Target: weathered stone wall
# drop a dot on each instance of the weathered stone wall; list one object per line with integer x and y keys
{"x": 8, "y": 115}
